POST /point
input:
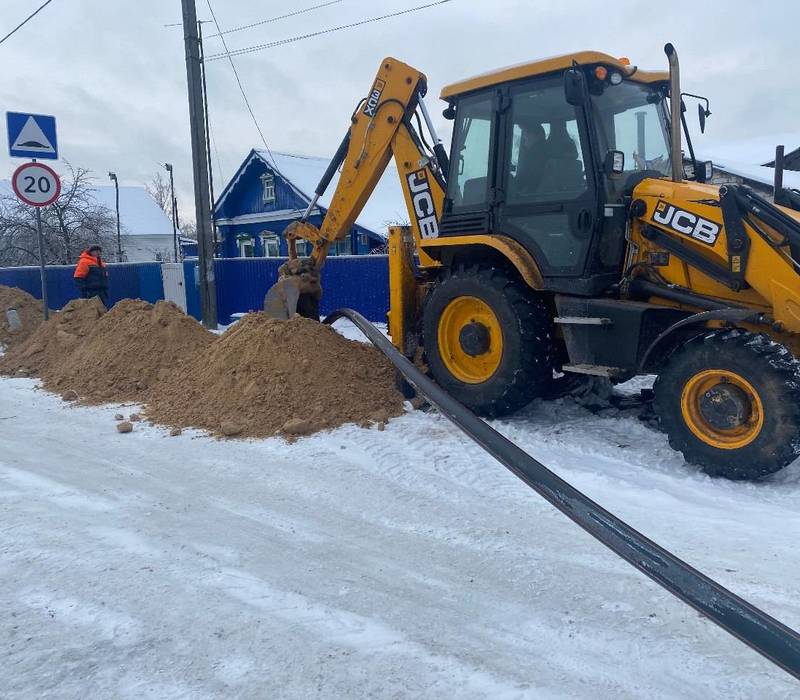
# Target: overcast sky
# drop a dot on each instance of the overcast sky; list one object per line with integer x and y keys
{"x": 115, "y": 77}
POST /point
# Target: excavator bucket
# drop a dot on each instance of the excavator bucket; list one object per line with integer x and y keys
{"x": 297, "y": 290}
{"x": 281, "y": 300}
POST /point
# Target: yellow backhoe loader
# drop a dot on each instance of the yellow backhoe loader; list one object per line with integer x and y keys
{"x": 567, "y": 233}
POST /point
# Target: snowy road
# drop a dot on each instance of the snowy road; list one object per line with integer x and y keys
{"x": 396, "y": 564}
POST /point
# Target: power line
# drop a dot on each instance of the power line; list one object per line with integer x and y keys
{"x": 25, "y": 21}
{"x": 238, "y": 81}
{"x": 275, "y": 19}
{"x": 216, "y": 150}
{"x": 281, "y": 42}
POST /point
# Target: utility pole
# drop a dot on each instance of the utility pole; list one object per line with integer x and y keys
{"x": 113, "y": 176}
{"x": 205, "y": 240}
{"x": 168, "y": 168}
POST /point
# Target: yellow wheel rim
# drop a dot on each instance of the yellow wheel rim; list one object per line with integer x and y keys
{"x": 702, "y": 390}
{"x": 463, "y": 319}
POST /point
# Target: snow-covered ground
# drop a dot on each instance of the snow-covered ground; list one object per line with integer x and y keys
{"x": 359, "y": 563}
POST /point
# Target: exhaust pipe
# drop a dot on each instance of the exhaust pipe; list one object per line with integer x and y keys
{"x": 777, "y": 187}
{"x": 675, "y": 112}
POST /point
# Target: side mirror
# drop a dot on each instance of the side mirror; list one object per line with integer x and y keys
{"x": 703, "y": 173}
{"x": 614, "y": 163}
{"x": 701, "y": 116}
{"x": 574, "y": 87}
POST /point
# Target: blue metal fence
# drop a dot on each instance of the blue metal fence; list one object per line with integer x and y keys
{"x": 126, "y": 281}
{"x": 360, "y": 282}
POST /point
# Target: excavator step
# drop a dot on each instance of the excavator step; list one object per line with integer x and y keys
{"x": 595, "y": 370}
{"x": 582, "y": 321}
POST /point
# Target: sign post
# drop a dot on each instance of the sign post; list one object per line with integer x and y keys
{"x": 37, "y": 185}
{"x": 42, "y": 268}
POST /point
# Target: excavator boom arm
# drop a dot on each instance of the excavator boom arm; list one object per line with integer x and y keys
{"x": 380, "y": 128}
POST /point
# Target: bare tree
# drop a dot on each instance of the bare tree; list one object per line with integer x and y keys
{"x": 189, "y": 230}
{"x": 73, "y": 222}
{"x": 158, "y": 188}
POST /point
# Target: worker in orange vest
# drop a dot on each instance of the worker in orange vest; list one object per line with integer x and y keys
{"x": 91, "y": 274}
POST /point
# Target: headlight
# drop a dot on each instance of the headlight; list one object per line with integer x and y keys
{"x": 615, "y": 78}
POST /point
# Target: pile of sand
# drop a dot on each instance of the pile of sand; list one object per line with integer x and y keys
{"x": 131, "y": 348}
{"x": 109, "y": 356}
{"x": 262, "y": 377}
{"x": 28, "y": 309}
{"x": 43, "y": 353}
{"x": 265, "y": 376}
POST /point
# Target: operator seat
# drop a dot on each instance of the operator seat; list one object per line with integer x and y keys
{"x": 531, "y": 161}
{"x": 474, "y": 191}
{"x": 563, "y": 170}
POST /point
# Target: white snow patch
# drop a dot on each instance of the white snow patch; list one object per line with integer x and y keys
{"x": 359, "y": 563}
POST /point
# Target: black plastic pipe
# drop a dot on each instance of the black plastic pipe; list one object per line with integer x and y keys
{"x": 760, "y": 631}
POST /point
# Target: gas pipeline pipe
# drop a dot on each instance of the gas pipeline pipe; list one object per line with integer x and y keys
{"x": 760, "y": 631}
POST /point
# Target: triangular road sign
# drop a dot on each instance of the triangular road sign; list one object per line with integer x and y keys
{"x": 32, "y": 138}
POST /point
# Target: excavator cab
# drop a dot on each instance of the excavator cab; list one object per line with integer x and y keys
{"x": 551, "y": 169}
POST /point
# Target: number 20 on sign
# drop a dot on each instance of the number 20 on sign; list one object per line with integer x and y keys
{"x": 36, "y": 184}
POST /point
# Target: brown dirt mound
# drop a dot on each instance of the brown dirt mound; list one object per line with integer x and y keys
{"x": 265, "y": 376}
{"x": 52, "y": 342}
{"x": 131, "y": 348}
{"x": 109, "y": 356}
{"x": 28, "y": 309}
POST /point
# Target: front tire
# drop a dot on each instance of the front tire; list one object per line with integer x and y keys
{"x": 488, "y": 340}
{"x": 729, "y": 400}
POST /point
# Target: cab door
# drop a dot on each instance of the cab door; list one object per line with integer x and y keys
{"x": 548, "y": 196}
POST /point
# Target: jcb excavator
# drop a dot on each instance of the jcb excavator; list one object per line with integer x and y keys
{"x": 568, "y": 234}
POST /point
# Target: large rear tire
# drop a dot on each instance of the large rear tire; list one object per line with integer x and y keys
{"x": 729, "y": 400}
{"x": 488, "y": 340}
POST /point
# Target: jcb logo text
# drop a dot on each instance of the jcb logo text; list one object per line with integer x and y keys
{"x": 686, "y": 223}
{"x": 371, "y": 106}
{"x": 423, "y": 204}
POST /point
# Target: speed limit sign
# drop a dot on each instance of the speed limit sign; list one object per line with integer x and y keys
{"x": 36, "y": 184}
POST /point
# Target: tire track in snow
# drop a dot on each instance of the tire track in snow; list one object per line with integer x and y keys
{"x": 367, "y": 636}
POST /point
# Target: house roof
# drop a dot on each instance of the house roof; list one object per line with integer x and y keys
{"x": 788, "y": 157}
{"x": 386, "y": 206}
{"x": 758, "y": 147}
{"x": 139, "y": 213}
{"x": 756, "y": 173}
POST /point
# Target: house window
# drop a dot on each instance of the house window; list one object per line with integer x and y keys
{"x": 271, "y": 244}
{"x": 268, "y": 185}
{"x": 341, "y": 247}
{"x": 247, "y": 246}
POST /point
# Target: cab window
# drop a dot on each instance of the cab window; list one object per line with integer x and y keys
{"x": 545, "y": 169}
{"x": 630, "y": 118}
{"x": 468, "y": 186}
{"x": 546, "y": 162}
